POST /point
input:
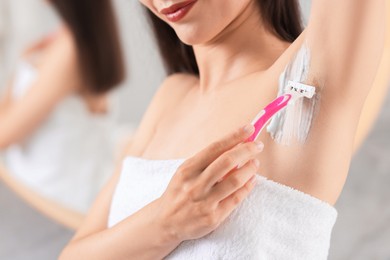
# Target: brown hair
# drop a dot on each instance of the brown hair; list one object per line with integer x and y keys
{"x": 94, "y": 28}
{"x": 283, "y": 18}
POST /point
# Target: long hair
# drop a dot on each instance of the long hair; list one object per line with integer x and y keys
{"x": 94, "y": 28}
{"x": 282, "y": 17}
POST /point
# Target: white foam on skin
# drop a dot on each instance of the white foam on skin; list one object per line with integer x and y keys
{"x": 293, "y": 123}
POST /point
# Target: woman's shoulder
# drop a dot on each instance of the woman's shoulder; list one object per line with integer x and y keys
{"x": 172, "y": 90}
{"x": 63, "y": 46}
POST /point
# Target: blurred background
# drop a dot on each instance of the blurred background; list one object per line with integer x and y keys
{"x": 362, "y": 230}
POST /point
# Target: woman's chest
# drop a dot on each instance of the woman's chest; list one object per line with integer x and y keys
{"x": 197, "y": 121}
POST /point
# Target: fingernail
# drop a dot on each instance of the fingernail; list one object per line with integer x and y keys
{"x": 248, "y": 128}
{"x": 256, "y": 162}
{"x": 259, "y": 145}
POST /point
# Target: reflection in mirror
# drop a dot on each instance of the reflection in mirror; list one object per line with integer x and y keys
{"x": 57, "y": 133}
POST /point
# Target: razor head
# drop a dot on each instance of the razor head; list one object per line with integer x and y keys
{"x": 300, "y": 90}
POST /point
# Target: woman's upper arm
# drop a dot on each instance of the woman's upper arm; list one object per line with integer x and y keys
{"x": 97, "y": 217}
{"x": 346, "y": 40}
{"x": 378, "y": 92}
{"x": 56, "y": 80}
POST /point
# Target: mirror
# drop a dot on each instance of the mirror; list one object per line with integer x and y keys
{"x": 59, "y": 132}
{"x": 364, "y": 199}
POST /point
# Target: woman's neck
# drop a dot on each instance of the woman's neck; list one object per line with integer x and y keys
{"x": 245, "y": 46}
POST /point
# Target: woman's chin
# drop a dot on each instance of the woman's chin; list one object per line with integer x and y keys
{"x": 189, "y": 42}
{"x": 192, "y": 36}
{"x": 193, "y": 39}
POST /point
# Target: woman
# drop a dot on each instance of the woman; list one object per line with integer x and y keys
{"x": 54, "y": 118}
{"x": 225, "y": 69}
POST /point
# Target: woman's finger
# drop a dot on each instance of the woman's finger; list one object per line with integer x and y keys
{"x": 230, "y": 160}
{"x": 204, "y": 158}
{"x": 236, "y": 180}
{"x": 227, "y": 205}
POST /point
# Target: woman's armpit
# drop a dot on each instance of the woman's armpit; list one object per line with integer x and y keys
{"x": 294, "y": 122}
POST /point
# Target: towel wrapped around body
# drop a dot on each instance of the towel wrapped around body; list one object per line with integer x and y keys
{"x": 273, "y": 222}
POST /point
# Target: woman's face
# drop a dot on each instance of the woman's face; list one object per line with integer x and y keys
{"x": 198, "y": 21}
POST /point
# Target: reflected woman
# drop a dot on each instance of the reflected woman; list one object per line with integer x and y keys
{"x": 54, "y": 119}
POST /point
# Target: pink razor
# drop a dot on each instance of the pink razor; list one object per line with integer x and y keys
{"x": 267, "y": 113}
{"x": 294, "y": 90}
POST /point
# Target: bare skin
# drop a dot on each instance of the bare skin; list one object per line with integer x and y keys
{"x": 59, "y": 77}
{"x": 237, "y": 79}
{"x": 214, "y": 105}
{"x": 378, "y": 92}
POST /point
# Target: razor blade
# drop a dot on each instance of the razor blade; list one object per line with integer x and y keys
{"x": 300, "y": 89}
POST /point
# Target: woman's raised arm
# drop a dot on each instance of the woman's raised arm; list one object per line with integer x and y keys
{"x": 378, "y": 92}
{"x": 346, "y": 40}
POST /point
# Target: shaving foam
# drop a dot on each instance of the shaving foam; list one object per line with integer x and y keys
{"x": 293, "y": 123}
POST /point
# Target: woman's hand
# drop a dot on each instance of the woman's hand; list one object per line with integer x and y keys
{"x": 209, "y": 186}
{"x": 202, "y": 193}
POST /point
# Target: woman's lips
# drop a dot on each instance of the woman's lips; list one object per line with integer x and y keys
{"x": 176, "y": 12}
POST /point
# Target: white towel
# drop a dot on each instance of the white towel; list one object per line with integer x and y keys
{"x": 273, "y": 222}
